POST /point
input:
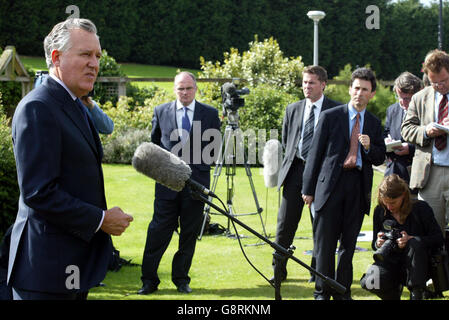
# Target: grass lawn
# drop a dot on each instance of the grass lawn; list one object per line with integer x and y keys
{"x": 219, "y": 270}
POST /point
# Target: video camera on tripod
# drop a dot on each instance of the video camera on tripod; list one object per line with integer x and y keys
{"x": 231, "y": 100}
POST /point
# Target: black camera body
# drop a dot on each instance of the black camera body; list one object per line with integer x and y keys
{"x": 390, "y": 245}
{"x": 230, "y": 97}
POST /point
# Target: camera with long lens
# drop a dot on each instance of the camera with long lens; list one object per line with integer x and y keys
{"x": 390, "y": 245}
{"x": 231, "y": 99}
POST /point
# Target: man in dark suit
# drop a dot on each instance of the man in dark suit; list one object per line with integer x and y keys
{"x": 60, "y": 243}
{"x": 400, "y": 159}
{"x": 296, "y": 140}
{"x": 338, "y": 179}
{"x": 178, "y": 126}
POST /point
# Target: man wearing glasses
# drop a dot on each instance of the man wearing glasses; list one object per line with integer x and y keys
{"x": 399, "y": 159}
{"x": 428, "y": 109}
{"x": 182, "y": 122}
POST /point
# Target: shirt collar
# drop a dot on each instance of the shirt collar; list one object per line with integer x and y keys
{"x": 353, "y": 112}
{"x": 191, "y": 106}
{"x": 63, "y": 85}
{"x": 318, "y": 104}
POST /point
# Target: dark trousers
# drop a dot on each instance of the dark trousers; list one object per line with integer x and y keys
{"x": 409, "y": 267}
{"x": 340, "y": 219}
{"x": 290, "y": 212}
{"x": 186, "y": 212}
{"x": 19, "y": 294}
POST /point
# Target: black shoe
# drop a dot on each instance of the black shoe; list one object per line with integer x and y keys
{"x": 342, "y": 297}
{"x": 322, "y": 297}
{"x": 312, "y": 278}
{"x": 184, "y": 288}
{"x": 417, "y": 294}
{"x": 283, "y": 278}
{"x": 147, "y": 289}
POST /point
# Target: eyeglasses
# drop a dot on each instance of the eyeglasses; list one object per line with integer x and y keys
{"x": 437, "y": 84}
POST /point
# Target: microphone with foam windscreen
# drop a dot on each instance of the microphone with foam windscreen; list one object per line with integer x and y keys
{"x": 272, "y": 160}
{"x": 166, "y": 168}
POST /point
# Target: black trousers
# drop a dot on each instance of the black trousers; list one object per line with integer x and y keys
{"x": 168, "y": 214}
{"x": 290, "y": 212}
{"x": 340, "y": 219}
{"x": 409, "y": 267}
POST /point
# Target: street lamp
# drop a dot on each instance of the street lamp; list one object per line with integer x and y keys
{"x": 316, "y": 16}
{"x": 440, "y": 27}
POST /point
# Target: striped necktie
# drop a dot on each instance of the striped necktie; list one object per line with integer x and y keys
{"x": 308, "y": 133}
{"x": 441, "y": 141}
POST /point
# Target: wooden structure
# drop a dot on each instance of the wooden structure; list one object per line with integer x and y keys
{"x": 12, "y": 69}
{"x": 118, "y": 84}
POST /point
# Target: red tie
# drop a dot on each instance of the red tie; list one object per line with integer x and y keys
{"x": 441, "y": 141}
{"x": 351, "y": 158}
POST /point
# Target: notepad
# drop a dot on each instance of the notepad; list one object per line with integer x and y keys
{"x": 441, "y": 127}
{"x": 393, "y": 144}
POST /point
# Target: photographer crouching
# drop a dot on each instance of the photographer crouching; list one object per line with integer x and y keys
{"x": 407, "y": 234}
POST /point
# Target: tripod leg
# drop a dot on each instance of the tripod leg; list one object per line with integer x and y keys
{"x": 217, "y": 172}
{"x": 253, "y": 189}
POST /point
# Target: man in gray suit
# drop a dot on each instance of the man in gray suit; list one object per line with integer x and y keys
{"x": 430, "y": 168}
{"x": 297, "y": 133}
{"x": 399, "y": 160}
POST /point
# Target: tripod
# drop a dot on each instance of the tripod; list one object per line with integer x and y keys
{"x": 229, "y": 158}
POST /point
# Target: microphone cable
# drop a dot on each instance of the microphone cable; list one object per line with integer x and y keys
{"x": 243, "y": 250}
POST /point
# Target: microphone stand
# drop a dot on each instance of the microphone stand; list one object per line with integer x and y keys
{"x": 281, "y": 254}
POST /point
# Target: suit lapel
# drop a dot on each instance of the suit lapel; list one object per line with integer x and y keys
{"x": 325, "y": 105}
{"x": 73, "y": 112}
{"x": 430, "y": 112}
{"x": 345, "y": 123}
{"x": 297, "y": 124}
{"x": 198, "y": 113}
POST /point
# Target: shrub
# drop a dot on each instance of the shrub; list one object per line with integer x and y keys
{"x": 9, "y": 189}
{"x": 121, "y": 148}
{"x": 132, "y": 126}
{"x": 263, "y": 63}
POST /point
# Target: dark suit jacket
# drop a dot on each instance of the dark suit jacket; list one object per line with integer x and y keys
{"x": 291, "y": 132}
{"x": 329, "y": 149}
{"x": 393, "y": 124}
{"x": 61, "y": 196}
{"x": 164, "y": 134}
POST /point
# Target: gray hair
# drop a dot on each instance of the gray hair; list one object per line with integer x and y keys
{"x": 408, "y": 83}
{"x": 191, "y": 75}
{"x": 59, "y": 37}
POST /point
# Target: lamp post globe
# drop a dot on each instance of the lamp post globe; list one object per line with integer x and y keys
{"x": 316, "y": 16}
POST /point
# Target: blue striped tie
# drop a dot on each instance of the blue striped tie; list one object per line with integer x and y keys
{"x": 308, "y": 133}
{"x": 185, "y": 123}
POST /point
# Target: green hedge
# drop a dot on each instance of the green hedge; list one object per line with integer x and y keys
{"x": 9, "y": 189}
{"x": 178, "y": 32}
